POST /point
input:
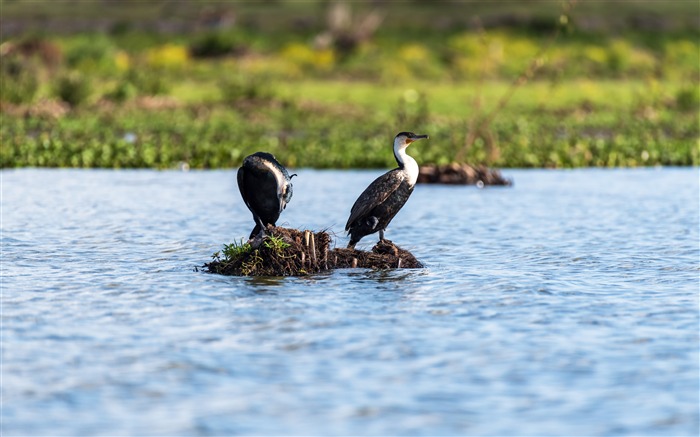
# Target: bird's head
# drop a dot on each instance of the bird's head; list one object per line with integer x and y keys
{"x": 403, "y": 139}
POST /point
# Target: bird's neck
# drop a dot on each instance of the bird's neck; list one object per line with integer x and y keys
{"x": 406, "y": 163}
{"x": 279, "y": 178}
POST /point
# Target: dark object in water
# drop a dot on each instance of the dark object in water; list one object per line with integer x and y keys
{"x": 461, "y": 174}
{"x": 386, "y": 195}
{"x": 290, "y": 252}
{"x": 266, "y": 188}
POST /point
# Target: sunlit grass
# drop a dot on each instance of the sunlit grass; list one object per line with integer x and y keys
{"x": 193, "y": 91}
{"x": 456, "y": 99}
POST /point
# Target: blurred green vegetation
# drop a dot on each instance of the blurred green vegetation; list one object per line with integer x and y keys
{"x": 329, "y": 86}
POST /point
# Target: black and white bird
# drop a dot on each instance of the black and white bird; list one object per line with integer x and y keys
{"x": 266, "y": 188}
{"x": 383, "y": 198}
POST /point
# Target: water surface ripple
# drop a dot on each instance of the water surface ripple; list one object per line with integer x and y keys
{"x": 565, "y": 305}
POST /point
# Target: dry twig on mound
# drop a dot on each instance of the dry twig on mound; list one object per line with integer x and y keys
{"x": 290, "y": 252}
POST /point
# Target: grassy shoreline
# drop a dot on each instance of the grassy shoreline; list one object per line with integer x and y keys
{"x": 129, "y": 98}
{"x": 311, "y": 124}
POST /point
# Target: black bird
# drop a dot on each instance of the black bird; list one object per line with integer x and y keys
{"x": 266, "y": 188}
{"x": 384, "y": 197}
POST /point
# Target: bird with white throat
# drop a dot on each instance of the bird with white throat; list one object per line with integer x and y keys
{"x": 383, "y": 198}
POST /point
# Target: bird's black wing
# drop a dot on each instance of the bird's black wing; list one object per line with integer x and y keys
{"x": 241, "y": 187}
{"x": 376, "y": 193}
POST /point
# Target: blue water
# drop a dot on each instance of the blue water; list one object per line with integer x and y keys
{"x": 564, "y": 305}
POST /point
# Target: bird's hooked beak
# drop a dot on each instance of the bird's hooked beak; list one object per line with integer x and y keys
{"x": 415, "y": 138}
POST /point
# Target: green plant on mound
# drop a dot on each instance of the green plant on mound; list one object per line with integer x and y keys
{"x": 243, "y": 258}
{"x": 252, "y": 263}
{"x": 250, "y": 260}
{"x": 276, "y": 244}
{"x": 241, "y": 254}
{"x": 232, "y": 252}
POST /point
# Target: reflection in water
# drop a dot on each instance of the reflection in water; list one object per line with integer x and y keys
{"x": 261, "y": 283}
{"x": 560, "y": 306}
{"x": 384, "y": 276}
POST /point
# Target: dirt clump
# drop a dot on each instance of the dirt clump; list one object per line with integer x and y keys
{"x": 384, "y": 255}
{"x": 291, "y": 252}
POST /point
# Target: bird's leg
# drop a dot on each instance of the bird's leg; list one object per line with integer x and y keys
{"x": 381, "y": 235}
{"x": 263, "y": 228}
{"x": 256, "y": 238}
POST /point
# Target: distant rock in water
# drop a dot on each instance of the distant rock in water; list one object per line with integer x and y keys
{"x": 461, "y": 174}
{"x": 291, "y": 252}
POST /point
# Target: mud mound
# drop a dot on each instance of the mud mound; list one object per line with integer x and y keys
{"x": 384, "y": 255}
{"x": 461, "y": 174}
{"x": 291, "y": 252}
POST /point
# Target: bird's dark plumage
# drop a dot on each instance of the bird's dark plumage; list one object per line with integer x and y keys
{"x": 266, "y": 189}
{"x": 378, "y": 204}
{"x": 383, "y": 198}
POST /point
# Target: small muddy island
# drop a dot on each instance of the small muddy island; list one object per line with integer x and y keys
{"x": 291, "y": 252}
{"x": 461, "y": 174}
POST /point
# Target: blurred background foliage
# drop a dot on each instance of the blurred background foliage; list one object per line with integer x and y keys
{"x": 328, "y": 84}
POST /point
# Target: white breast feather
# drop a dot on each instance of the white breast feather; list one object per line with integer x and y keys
{"x": 410, "y": 165}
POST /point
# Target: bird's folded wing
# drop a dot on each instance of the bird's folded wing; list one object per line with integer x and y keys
{"x": 376, "y": 193}
{"x": 241, "y": 188}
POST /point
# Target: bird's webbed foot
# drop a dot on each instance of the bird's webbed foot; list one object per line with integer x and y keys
{"x": 257, "y": 240}
{"x": 257, "y": 236}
